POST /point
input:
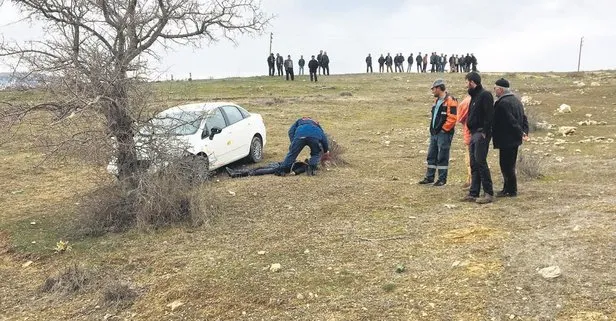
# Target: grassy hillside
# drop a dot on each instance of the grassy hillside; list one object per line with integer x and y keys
{"x": 358, "y": 242}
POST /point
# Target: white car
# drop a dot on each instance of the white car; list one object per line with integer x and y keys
{"x": 219, "y": 132}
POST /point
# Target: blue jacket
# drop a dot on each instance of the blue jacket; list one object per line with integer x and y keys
{"x": 306, "y": 127}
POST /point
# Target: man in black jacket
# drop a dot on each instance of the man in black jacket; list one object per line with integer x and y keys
{"x": 320, "y": 61}
{"x": 410, "y": 60}
{"x": 479, "y": 122}
{"x": 389, "y": 62}
{"x": 381, "y": 63}
{"x": 419, "y": 60}
{"x": 279, "y": 62}
{"x": 369, "y": 63}
{"x": 325, "y": 63}
{"x": 271, "y": 61}
{"x": 510, "y": 127}
{"x": 313, "y": 65}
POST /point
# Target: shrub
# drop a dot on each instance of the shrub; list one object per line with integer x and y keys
{"x": 119, "y": 294}
{"x": 335, "y": 153}
{"x": 152, "y": 199}
{"x": 530, "y": 166}
{"x": 71, "y": 280}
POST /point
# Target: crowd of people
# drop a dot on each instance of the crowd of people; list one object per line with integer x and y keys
{"x": 317, "y": 64}
{"x": 438, "y": 63}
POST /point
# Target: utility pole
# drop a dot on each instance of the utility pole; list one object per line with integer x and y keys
{"x": 271, "y": 38}
{"x": 580, "y": 55}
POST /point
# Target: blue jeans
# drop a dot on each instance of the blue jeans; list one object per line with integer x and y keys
{"x": 438, "y": 155}
{"x": 296, "y": 147}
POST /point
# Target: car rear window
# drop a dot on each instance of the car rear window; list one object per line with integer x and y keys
{"x": 233, "y": 114}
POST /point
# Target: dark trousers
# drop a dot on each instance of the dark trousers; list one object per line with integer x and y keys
{"x": 419, "y": 69}
{"x": 296, "y": 147}
{"x": 271, "y": 69}
{"x": 313, "y": 74}
{"x": 326, "y": 70}
{"x": 369, "y": 67}
{"x": 480, "y": 172}
{"x": 389, "y": 68}
{"x": 438, "y": 156}
{"x": 279, "y": 67}
{"x": 507, "y": 158}
{"x": 290, "y": 72}
{"x": 425, "y": 65}
{"x": 381, "y": 68}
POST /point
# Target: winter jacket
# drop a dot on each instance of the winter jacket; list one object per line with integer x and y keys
{"x": 381, "y": 60}
{"x": 301, "y": 62}
{"x": 279, "y": 60}
{"x": 481, "y": 111}
{"x": 271, "y": 60}
{"x": 510, "y": 123}
{"x": 313, "y": 65}
{"x": 369, "y": 60}
{"x": 325, "y": 60}
{"x": 288, "y": 64}
{"x": 307, "y": 127}
{"x": 419, "y": 59}
{"x": 410, "y": 60}
{"x": 446, "y": 116}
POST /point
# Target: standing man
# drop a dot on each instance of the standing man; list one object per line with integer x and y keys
{"x": 410, "y": 60}
{"x": 320, "y": 60}
{"x": 474, "y": 62}
{"x": 442, "y": 125}
{"x": 325, "y": 62}
{"x": 510, "y": 128}
{"x": 288, "y": 67}
{"x": 305, "y": 132}
{"x": 369, "y": 63}
{"x": 381, "y": 63}
{"x": 479, "y": 122}
{"x": 301, "y": 62}
{"x": 419, "y": 61}
{"x": 425, "y": 63}
{"x": 279, "y": 63}
{"x": 388, "y": 62}
{"x": 313, "y": 65}
{"x": 271, "y": 61}
{"x": 466, "y": 134}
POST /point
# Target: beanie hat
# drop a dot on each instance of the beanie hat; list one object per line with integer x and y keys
{"x": 502, "y": 83}
{"x": 474, "y": 77}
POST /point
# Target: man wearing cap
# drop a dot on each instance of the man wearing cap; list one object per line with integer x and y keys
{"x": 479, "y": 122}
{"x": 510, "y": 127}
{"x": 442, "y": 124}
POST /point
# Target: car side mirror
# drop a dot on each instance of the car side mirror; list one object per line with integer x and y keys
{"x": 214, "y": 131}
{"x": 204, "y": 134}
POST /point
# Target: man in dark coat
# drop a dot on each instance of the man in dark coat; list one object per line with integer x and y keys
{"x": 419, "y": 61}
{"x": 325, "y": 63}
{"x": 313, "y": 65}
{"x": 509, "y": 129}
{"x": 410, "y": 60}
{"x": 271, "y": 61}
{"x": 381, "y": 63}
{"x": 479, "y": 122}
{"x": 389, "y": 61}
{"x": 288, "y": 67}
{"x": 369, "y": 63}
{"x": 305, "y": 132}
{"x": 320, "y": 61}
{"x": 279, "y": 62}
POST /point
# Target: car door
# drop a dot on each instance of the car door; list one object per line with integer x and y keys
{"x": 239, "y": 132}
{"x": 216, "y": 146}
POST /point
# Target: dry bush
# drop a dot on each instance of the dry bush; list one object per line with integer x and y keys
{"x": 72, "y": 279}
{"x": 119, "y": 294}
{"x": 532, "y": 115}
{"x": 167, "y": 196}
{"x": 335, "y": 153}
{"x": 530, "y": 166}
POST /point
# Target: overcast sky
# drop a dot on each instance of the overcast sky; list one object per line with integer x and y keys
{"x": 522, "y": 35}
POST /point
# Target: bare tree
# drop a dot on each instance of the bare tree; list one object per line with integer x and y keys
{"x": 95, "y": 53}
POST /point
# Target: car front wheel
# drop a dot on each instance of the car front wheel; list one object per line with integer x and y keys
{"x": 256, "y": 150}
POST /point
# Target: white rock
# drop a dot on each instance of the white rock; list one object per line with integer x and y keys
{"x": 275, "y": 267}
{"x": 450, "y": 206}
{"x": 581, "y": 84}
{"x": 566, "y": 130}
{"x": 564, "y": 108}
{"x": 261, "y": 252}
{"x": 306, "y": 251}
{"x": 595, "y": 84}
{"x": 300, "y": 296}
{"x": 588, "y": 115}
{"x": 175, "y": 304}
{"x": 550, "y": 272}
{"x": 232, "y": 193}
{"x": 27, "y": 264}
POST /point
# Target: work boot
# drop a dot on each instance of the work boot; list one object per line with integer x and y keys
{"x": 230, "y": 172}
{"x": 468, "y": 198}
{"x": 505, "y": 194}
{"x": 425, "y": 181}
{"x": 439, "y": 183}
{"x": 487, "y": 198}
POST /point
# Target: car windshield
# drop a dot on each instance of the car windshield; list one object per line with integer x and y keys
{"x": 176, "y": 124}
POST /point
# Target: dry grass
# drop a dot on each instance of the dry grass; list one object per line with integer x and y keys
{"x": 341, "y": 235}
